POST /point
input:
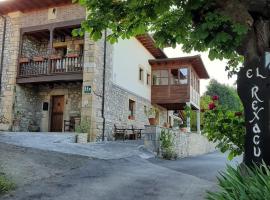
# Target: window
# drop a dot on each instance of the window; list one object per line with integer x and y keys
{"x": 160, "y": 77}
{"x": 179, "y": 76}
{"x": 141, "y": 74}
{"x": 148, "y": 79}
{"x": 131, "y": 105}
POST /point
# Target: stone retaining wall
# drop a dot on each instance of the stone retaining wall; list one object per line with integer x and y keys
{"x": 185, "y": 144}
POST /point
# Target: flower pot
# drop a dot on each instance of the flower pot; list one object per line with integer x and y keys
{"x": 82, "y": 138}
{"x": 72, "y": 55}
{"x": 55, "y": 57}
{"x": 183, "y": 130}
{"x": 152, "y": 121}
{"x": 24, "y": 60}
{"x": 131, "y": 117}
{"x": 38, "y": 58}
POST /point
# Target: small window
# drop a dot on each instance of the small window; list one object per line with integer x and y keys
{"x": 131, "y": 109}
{"x": 148, "y": 79}
{"x": 160, "y": 77}
{"x": 141, "y": 74}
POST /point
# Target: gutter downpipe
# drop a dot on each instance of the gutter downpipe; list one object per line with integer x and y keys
{"x": 104, "y": 82}
{"x": 2, "y": 49}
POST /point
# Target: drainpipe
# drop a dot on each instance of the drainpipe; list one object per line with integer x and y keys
{"x": 2, "y": 49}
{"x": 104, "y": 82}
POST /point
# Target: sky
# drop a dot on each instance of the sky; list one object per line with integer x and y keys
{"x": 216, "y": 68}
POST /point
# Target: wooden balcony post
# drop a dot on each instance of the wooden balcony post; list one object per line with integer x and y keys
{"x": 50, "y": 50}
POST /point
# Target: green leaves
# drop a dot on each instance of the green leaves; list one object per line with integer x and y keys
{"x": 243, "y": 183}
{"x": 196, "y": 24}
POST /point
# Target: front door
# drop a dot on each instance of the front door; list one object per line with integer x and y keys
{"x": 57, "y": 113}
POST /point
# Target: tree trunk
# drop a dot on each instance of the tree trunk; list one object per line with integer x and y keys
{"x": 253, "y": 89}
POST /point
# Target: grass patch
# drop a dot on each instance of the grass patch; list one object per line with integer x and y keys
{"x": 5, "y": 185}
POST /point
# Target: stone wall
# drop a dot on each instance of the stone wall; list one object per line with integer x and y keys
{"x": 29, "y": 104}
{"x": 185, "y": 144}
{"x": 16, "y": 21}
{"x": 33, "y": 47}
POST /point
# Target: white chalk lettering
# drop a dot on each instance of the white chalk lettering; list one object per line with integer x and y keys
{"x": 254, "y": 105}
{"x": 254, "y": 91}
{"x": 257, "y": 151}
{"x": 256, "y": 139}
{"x": 256, "y": 128}
{"x": 256, "y": 115}
{"x": 258, "y": 74}
{"x": 249, "y": 73}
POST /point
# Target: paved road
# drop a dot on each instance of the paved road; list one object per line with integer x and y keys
{"x": 51, "y": 175}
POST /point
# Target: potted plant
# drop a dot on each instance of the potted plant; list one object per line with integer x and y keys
{"x": 82, "y": 131}
{"x": 72, "y": 54}
{"x": 151, "y": 114}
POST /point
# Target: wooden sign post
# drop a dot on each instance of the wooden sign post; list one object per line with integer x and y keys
{"x": 253, "y": 86}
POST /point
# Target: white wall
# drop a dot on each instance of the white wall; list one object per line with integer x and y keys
{"x": 128, "y": 56}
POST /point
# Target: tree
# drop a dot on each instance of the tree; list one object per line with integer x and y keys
{"x": 237, "y": 30}
{"x": 227, "y": 95}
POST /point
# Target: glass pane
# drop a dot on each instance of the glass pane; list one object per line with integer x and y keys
{"x": 183, "y": 72}
{"x": 164, "y": 81}
{"x": 164, "y": 73}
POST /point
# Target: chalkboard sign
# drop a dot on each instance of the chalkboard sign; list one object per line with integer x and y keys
{"x": 253, "y": 88}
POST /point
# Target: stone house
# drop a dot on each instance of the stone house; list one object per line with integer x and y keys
{"x": 50, "y": 78}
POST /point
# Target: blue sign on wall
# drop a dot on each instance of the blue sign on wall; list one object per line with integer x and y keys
{"x": 87, "y": 89}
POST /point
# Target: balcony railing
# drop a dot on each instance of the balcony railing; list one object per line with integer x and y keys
{"x": 39, "y": 66}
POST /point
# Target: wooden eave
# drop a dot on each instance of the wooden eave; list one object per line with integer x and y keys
{"x": 148, "y": 42}
{"x": 29, "y": 5}
{"x": 195, "y": 61}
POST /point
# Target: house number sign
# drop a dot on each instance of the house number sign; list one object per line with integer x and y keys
{"x": 253, "y": 87}
{"x": 87, "y": 89}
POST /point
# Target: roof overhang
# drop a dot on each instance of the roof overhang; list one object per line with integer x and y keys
{"x": 148, "y": 42}
{"x": 8, "y": 6}
{"x": 195, "y": 61}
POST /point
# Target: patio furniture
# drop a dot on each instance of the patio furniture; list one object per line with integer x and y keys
{"x": 119, "y": 132}
{"x": 137, "y": 131}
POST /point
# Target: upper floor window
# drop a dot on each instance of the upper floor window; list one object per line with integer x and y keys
{"x": 141, "y": 72}
{"x": 179, "y": 76}
{"x": 148, "y": 79}
{"x": 131, "y": 105}
{"x": 160, "y": 77}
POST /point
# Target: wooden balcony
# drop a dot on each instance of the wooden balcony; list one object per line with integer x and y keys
{"x": 53, "y": 69}
{"x": 176, "y": 82}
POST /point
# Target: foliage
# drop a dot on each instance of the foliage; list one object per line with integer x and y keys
{"x": 225, "y": 128}
{"x": 196, "y": 24}
{"x": 227, "y": 94}
{"x": 243, "y": 183}
{"x": 5, "y": 185}
{"x": 167, "y": 147}
{"x": 151, "y": 112}
{"x": 83, "y": 127}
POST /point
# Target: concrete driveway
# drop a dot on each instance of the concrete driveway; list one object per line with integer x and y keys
{"x": 42, "y": 174}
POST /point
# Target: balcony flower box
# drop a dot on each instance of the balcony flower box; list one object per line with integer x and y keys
{"x": 130, "y": 117}
{"x": 55, "y": 57}
{"x": 72, "y": 55}
{"x": 38, "y": 58}
{"x": 24, "y": 60}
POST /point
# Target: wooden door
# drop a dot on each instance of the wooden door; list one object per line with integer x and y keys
{"x": 57, "y": 113}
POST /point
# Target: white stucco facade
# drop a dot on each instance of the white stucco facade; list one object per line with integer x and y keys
{"x": 128, "y": 57}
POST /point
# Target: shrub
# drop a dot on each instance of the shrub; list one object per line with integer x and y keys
{"x": 166, "y": 144}
{"x": 5, "y": 185}
{"x": 243, "y": 183}
{"x": 225, "y": 128}
{"x": 83, "y": 127}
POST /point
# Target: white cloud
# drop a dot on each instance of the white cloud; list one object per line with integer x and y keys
{"x": 216, "y": 68}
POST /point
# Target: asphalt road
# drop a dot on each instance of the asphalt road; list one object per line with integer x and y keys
{"x": 49, "y": 175}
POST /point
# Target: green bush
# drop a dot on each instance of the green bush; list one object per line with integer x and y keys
{"x": 166, "y": 144}
{"x": 83, "y": 127}
{"x": 5, "y": 185}
{"x": 243, "y": 184}
{"x": 225, "y": 128}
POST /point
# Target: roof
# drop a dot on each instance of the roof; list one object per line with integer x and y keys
{"x": 195, "y": 61}
{"x": 8, "y": 6}
{"x": 148, "y": 42}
